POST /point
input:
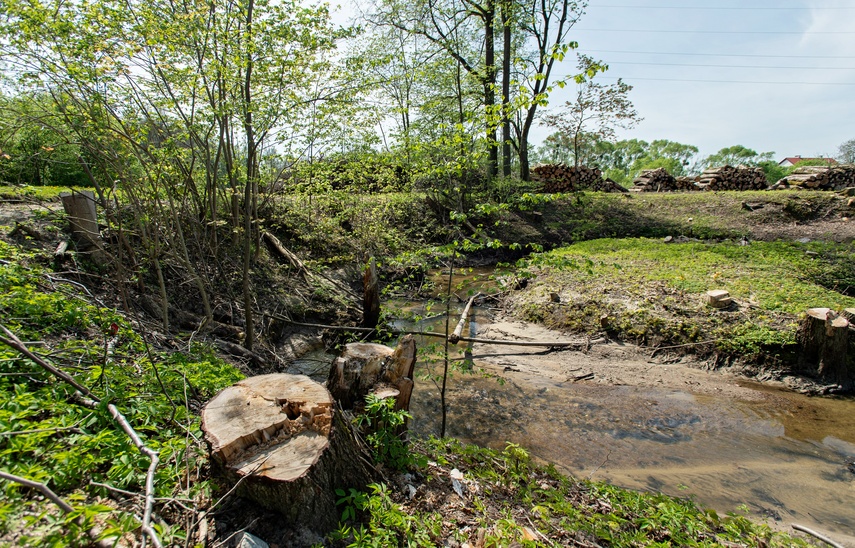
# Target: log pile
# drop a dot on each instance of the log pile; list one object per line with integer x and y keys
{"x": 656, "y": 180}
{"x": 733, "y": 178}
{"x": 836, "y": 177}
{"x": 564, "y": 178}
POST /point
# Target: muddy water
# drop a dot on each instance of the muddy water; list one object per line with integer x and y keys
{"x": 776, "y": 455}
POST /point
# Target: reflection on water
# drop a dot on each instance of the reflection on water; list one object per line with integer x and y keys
{"x": 722, "y": 452}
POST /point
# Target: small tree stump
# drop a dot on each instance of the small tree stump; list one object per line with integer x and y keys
{"x": 718, "y": 298}
{"x": 823, "y": 336}
{"x": 366, "y": 368}
{"x": 280, "y": 440}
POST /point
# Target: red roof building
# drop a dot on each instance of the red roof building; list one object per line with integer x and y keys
{"x": 788, "y": 162}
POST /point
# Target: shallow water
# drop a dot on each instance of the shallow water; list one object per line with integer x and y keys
{"x": 781, "y": 455}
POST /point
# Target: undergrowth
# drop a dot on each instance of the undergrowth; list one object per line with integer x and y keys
{"x": 503, "y": 498}
{"x": 81, "y": 453}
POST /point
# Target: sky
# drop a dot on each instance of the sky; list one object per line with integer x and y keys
{"x": 771, "y": 76}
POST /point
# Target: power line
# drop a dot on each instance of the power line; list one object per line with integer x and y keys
{"x": 723, "y": 54}
{"x": 729, "y": 66}
{"x": 720, "y": 8}
{"x": 718, "y": 81}
{"x": 720, "y": 31}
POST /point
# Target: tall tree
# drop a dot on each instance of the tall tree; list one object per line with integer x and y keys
{"x": 597, "y": 109}
{"x": 736, "y": 155}
{"x": 545, "y": 26}
{"x": 846, "y": 152}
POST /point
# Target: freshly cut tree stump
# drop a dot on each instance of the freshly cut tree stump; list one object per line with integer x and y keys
{"x": 366, "y": 368}
{"x": 279, "y": 438}
{"x": 823, "y": 336}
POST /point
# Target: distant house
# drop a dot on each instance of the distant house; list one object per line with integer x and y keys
{"x": 789, "y": 162}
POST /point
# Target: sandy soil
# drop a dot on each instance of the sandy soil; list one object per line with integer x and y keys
{"x": 605, "y": 362}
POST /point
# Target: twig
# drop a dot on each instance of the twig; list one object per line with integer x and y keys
{"x": 819, "y": 536}
{"x": 591, "y": 475}
{"x": 237, "y": 484}
{"x": 15, "y": 342}
{"x": 544, "y": 537}
{"x": 683, "y": 346}
{"x": 54, "y": 498}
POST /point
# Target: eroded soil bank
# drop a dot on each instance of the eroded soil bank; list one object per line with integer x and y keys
{"x": 613, "y": 413}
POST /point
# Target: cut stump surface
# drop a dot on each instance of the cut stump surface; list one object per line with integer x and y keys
{"x": 279, "y": 436}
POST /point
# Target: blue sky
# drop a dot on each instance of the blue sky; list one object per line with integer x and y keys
{"x": 772, "y": 76}
{"x": 718, "y": 73}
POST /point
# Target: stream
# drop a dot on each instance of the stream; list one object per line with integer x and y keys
{"x": 769, "y": 453}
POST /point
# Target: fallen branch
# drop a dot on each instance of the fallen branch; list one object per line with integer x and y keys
{"x": 819, "y": 536}
{"x": 577, "y": 345}
{"x": 454, "y": 337}
{"x": 54, "y": 498}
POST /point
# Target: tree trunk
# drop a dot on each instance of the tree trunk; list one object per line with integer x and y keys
{"x": 370, "y": 295}
{"x": 369, "y": 368}
{"x": 506, "y": 88}
{"x": 280, "y": 440}
{"x": 490, "y": 87}
{"x": 823, "y": 336}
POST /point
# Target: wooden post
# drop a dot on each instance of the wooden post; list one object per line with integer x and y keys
{"x": 370, "y": 295}
{"x": 280, "y": 441}
{"x": 823, "y": 336}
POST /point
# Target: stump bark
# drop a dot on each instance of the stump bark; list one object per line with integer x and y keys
{"x": 280, "y": 440}
{"x": 366, "y": 368}
{"x": 370, "y": 295}
{"x": 83, "y": 218}
{"x": 823, "y": 336}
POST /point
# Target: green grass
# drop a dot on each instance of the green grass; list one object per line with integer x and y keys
{"x": 29, "y": 192}
{"x": 652, "y": 292}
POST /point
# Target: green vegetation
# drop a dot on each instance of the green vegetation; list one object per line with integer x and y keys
{"x": 510, "y": 499}
{"x": 80, "y": 452}
{"x": 29, "y": 192}
{"x": 651, "y": 292}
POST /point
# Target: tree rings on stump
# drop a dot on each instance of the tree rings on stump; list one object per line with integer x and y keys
{"x": 280, "y": 438}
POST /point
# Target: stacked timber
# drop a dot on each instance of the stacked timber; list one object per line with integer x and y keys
{"x": 836, "y": 177}
{"x": 564, "y": 178}
{"x": 733, "y": 178}
{"x": 655, "y": 180}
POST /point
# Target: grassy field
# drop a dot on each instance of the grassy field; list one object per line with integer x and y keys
{"x": 651, "y": 292}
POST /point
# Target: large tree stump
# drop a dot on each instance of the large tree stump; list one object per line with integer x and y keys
{"x": 279, "y": 438}
{"x": 823, "y": 336}
{"x": 366, "y": 368}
